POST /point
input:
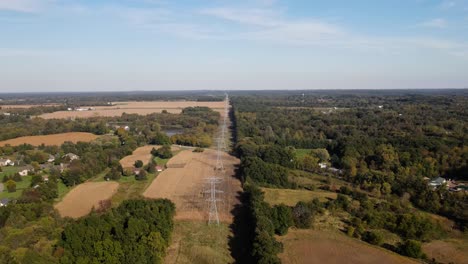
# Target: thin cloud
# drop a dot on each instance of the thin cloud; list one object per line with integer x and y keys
{"x": 25, "y": 6}
{"x": 435, "y": 23}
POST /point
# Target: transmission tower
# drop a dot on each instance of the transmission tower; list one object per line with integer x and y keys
{"x": 213, "y": 216}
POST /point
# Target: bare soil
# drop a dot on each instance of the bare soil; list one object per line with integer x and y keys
{"x": 316, "y": 246}
{"x": 186, "y": 185}
{"x": 141, "y": 108}
{"x": 55, "y": 139}
{"x": 79, "y": 201}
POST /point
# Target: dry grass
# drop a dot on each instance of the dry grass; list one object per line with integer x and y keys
{"x": 291, "y": 197}
{"x": 316, "y": 246}
{"x": 195, "y": 242}
{"x": 141, "y": 108}
{"x": 186, "y": 185}
{"x": 448, "y": 251}
{"x": 55, "y": 139}
{"x": 79, "y": 201}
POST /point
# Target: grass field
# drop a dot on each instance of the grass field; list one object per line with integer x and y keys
{"x": 195, "y": 242}
{"x": 130, "y": 188}
{"x": 291, "y": 197}
{"x": 320, "y": 246}
{"x": 55, "y": 139}
{"x": 302, "y": 152}
{"x": 20, "y": 187}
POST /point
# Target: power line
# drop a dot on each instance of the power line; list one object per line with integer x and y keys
{"x": 213, "y": 215}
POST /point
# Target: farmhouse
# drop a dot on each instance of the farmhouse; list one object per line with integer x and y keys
{"x": 24, "y": 171}
{"x": 6, "y": 162}
{"x": 159, "y": 168}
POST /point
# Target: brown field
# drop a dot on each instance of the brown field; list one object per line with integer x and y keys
{"x": 79, "y": 201}
{"x": 450, "y": 251}
{"x": 316, "y": 246}
{"x": 291, "y": 197}
{"x": 186, "y": 184}
{"x": 141, "y": 153}
{"x": 141, "y": 108}
{"x": 55, "y": 139}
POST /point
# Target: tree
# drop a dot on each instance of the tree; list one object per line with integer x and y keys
{"x": 141, "y": 176}
{"x": 411, "y": 248}
{"x": 282, "y": 219}
{"x": 11, "y": 186}
{"x": 321, "y": 153}
{"x": 302, "y": 215}
{"x": 138, "y": 164}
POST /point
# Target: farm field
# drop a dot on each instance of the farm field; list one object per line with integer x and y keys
{"x": 81, "y": 199}
{"x": 141, "y": 108}
{"x": 318, "y": 246}
{"x": 195, "y": 242}
{"x": 55, "y": 139}
{"x": 143, "y": 154}
{"x": 184, "y": 183}
{"x": 291, "y": 197}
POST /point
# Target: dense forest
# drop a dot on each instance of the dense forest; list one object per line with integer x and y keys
{"x": 385, "y": 146}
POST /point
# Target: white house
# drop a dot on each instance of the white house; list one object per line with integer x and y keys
{"x": 437, "y": 182}
{"x": 71, "y": 156}
{"x": 322, "y": 165}
{"x": 6, "y": 162}
{"x": 23, "y": 172}
{"x": 51, "y": 159}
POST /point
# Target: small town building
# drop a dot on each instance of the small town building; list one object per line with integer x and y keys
{"x": 6, "y": 162}
{"x": 437, "y": 182}
{"x": 71, "y": 156}
{"x": 159, "y": 168}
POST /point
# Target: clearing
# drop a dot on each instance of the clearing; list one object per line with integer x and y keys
{"x": 447, "y": 251}
{"x": 54, "y": 139}
{"x": 196, "y": 242}
{"x": 184, "y": 182}
{"x": 317, "y": 246}
{"x": 291, "y": 197}
{"x": 81, "y": 199}
{"x": 141, "y": 108}
{"x": 143, "y": 154}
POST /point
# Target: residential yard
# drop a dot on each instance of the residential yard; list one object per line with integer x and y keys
{"x": 20, "y": 186}
{"x": 195, "y": 242}
{"x": 291, "y": 197}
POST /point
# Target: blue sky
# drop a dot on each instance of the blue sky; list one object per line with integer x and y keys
{"x": 103, "y": 45}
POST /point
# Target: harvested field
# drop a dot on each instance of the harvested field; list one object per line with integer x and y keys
{"x": 55, "y": 139}
{"x": 450, "y": 251}
{"x": 291, "y": 197}
{"x": 79, "y": 201}
{"x": 141, "y": 153}
{"x": 316, "y": 246}
{"x": 186, "y": 185}
{"x": 141, "y": 108}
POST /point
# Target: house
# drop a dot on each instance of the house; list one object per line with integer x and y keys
{"x": 136, "y": 171}
{"x": 437, "y": 182}
{"x": 23, "y": 172}
{"x": 322, "y": 165}
{"x": 51, "y": 158}
{"x": 71, "y": 156}
{"x": 6, "y": 162}
{"x": 380, "y": 106}
{"x": 159, "y": 168}
{"x": 4, "y": 202}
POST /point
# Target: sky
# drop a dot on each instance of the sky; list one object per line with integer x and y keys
{"x": 121, "y": 45}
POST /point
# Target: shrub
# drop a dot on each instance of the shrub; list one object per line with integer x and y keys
{"x": 411, "y": 248}
{"x": 138, "y": 164}
{"x": 11, "y": 186}
{"x": 373, "y": 237}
